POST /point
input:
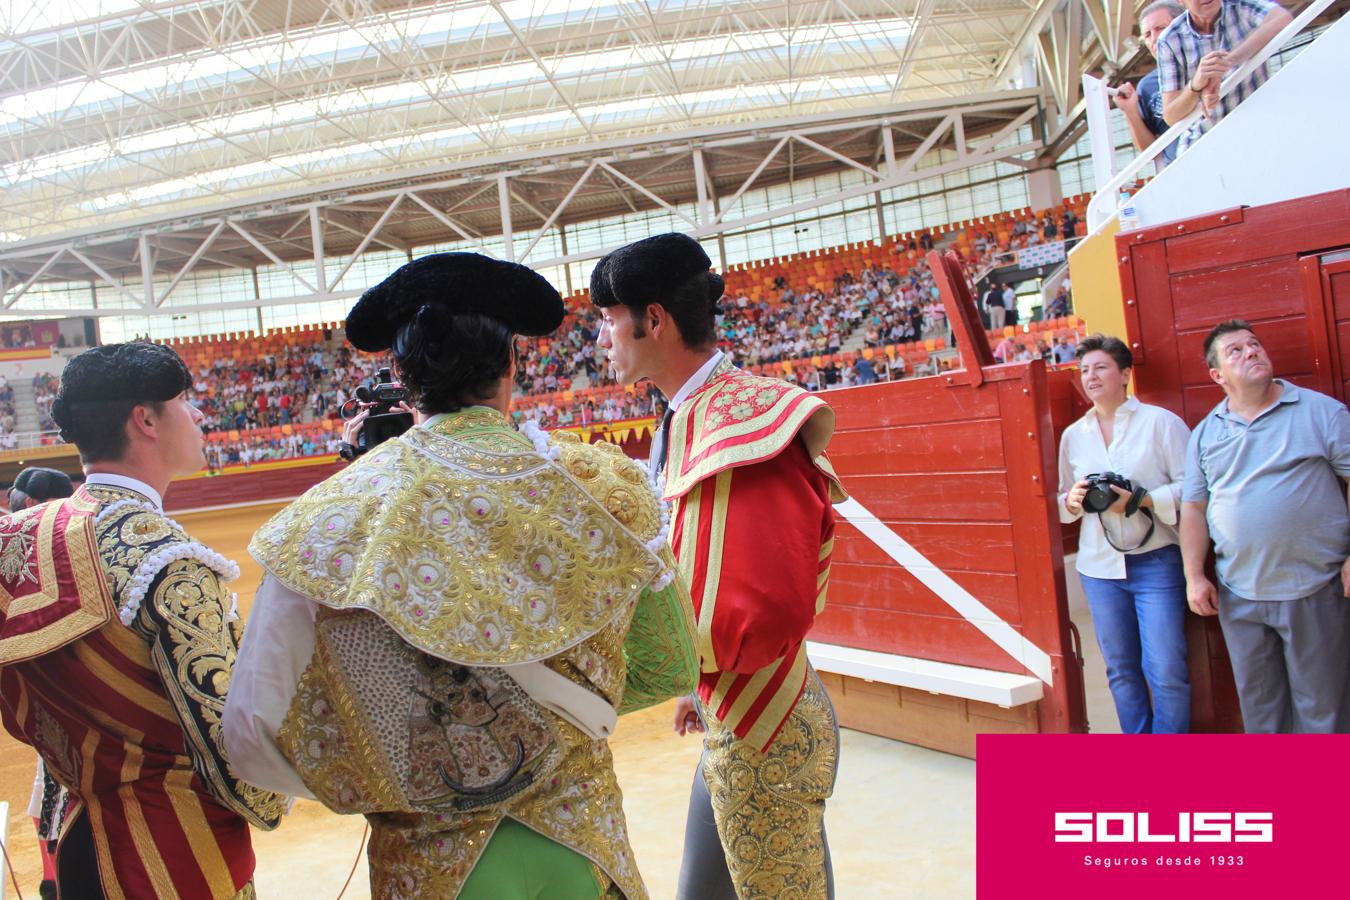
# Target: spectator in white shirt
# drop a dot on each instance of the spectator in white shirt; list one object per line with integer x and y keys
{"x": 1128, "y": 554}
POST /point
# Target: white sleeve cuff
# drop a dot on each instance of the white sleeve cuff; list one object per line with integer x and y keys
{"x": 1165, "y": 503}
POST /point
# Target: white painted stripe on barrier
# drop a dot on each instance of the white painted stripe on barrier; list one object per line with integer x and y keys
{"x": 940, "y": 583}
{"x": 949, "y": 679}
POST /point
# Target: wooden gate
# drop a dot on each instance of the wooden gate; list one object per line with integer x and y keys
{"x": 948, "y": 566}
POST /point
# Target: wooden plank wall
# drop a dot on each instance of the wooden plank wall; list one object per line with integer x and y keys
{"x": 961, "y": 473}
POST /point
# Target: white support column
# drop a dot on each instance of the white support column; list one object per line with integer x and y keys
{"x": 504, "y": 202}
{"x": 316, "y": 239}
{"x": 1043, "y": 188}
{"x": 147, "y": 273}
{"x": 567, "y": 267}
{"x": 701, "y": 183}
{"x": 257, "y": 295}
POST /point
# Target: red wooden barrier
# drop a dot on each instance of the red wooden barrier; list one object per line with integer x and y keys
{"x": 961, "y": 468}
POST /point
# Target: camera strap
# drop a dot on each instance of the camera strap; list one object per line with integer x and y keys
{"x": 1152, "y": 523}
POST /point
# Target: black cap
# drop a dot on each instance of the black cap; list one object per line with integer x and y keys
{"x": 134, "y": 372}
{"x": 516, "y": 295}
{"x": 43, "y": 484}
{"x": 647, "y": 270}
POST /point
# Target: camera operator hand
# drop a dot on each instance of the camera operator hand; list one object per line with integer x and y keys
{"x": 1123, "y": 500}
{"x": 1073, "y": 501}
{"x": 352, "y": 427}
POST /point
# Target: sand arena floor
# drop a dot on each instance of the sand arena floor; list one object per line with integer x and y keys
{"x": 901, "y": 823}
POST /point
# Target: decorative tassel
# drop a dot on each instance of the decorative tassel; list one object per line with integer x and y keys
{"x": 542, "y": 445}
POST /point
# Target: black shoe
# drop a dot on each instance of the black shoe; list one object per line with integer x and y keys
{"x": 47, "y": 890}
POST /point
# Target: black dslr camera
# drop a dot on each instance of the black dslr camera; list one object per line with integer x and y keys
{"x": 1099, "y": 496}
{"x": 384, "y": 421}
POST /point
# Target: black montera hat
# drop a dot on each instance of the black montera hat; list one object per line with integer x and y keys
{"x": 134, "y": 372}
{"x": 43, "y": 484}
{"x": 515, "y": 295}
{"x": 647, "y": 270}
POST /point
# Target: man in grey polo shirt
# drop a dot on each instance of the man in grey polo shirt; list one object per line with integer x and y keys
{"x": 1264, "y": 473}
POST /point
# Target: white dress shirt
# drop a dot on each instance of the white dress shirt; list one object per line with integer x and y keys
{"x": 696, "y": 381}
{"x": 1148, "y": 446}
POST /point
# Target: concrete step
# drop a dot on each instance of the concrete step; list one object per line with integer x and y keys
{"x": 25, "y": 406}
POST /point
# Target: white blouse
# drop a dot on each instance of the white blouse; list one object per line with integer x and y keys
{"x": 1148, "y": 446}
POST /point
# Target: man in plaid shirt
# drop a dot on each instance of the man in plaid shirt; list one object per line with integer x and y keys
{"x": 1201, "y": 46}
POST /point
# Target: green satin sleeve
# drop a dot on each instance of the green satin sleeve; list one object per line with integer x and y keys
{"x": 662, "y": 660}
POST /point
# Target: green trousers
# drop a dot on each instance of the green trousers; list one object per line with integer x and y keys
{"x": 521, "y": 864}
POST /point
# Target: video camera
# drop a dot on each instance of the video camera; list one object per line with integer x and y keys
{"x": 384, "y": 421}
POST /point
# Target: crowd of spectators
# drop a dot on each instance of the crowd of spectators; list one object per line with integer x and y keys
{"x": 249, "y": 450}
{"x": 1196, "y": 44}
{"x": 8, "y": 413}
{"x": 989, "y": 248}
{"x": 45, "y": 387}
{"x": 298, "y": 384}
{"x": 886, "y": 307}
{"x": 822, "y": 320}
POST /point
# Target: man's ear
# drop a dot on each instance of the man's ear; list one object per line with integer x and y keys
{"x": 1216, "y": 376}
{"x": 143, "y": 421}
{"x": 656, "y": 319}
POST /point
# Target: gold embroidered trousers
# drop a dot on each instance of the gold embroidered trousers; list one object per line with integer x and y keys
{"x": 770, "y": 807}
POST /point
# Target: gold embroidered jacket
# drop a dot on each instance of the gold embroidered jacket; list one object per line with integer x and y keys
{"x": 460, "y": 545}
{"x": 127, "y": 715}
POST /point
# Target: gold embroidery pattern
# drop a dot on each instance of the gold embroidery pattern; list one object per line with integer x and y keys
{"x": 347, "y": 778}
{"x": 194, "y": 649}
{"x": 53, "y": 743}
{"x": 355, "y": 755}
{"x": 707, "y": 433}
{"x": 770, "y": 807}
{"x": 436, "y": 736}
{"x": 122, "y": 557}
{"x": 16, "y": 547}
{"x": 192, "y": 644}
{"x": 375, "y": 536}
{"x": 417, "y": 848}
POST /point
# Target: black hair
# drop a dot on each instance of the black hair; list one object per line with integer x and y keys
{"x": 671, "y": 270}
{"x": 1113, "y": 347}
{"x": 448, "y": 361}
{"x": 101, "y": 387}
{"x": 1212, "y": 339}
{"x": 692, "y": 304}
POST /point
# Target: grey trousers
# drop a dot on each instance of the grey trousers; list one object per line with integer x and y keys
{"x": 1291, "y": 660}
{"x": 703, "y": 873}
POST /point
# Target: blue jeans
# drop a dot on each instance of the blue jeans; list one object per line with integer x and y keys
{"x": 1141, "y": 629}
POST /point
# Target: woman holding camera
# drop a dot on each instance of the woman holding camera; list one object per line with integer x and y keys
{"x": 1120, "y": 471}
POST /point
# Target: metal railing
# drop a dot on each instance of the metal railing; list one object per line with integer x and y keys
{"x": 28, "y": 440}
{"x": 1103, "y": 204}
